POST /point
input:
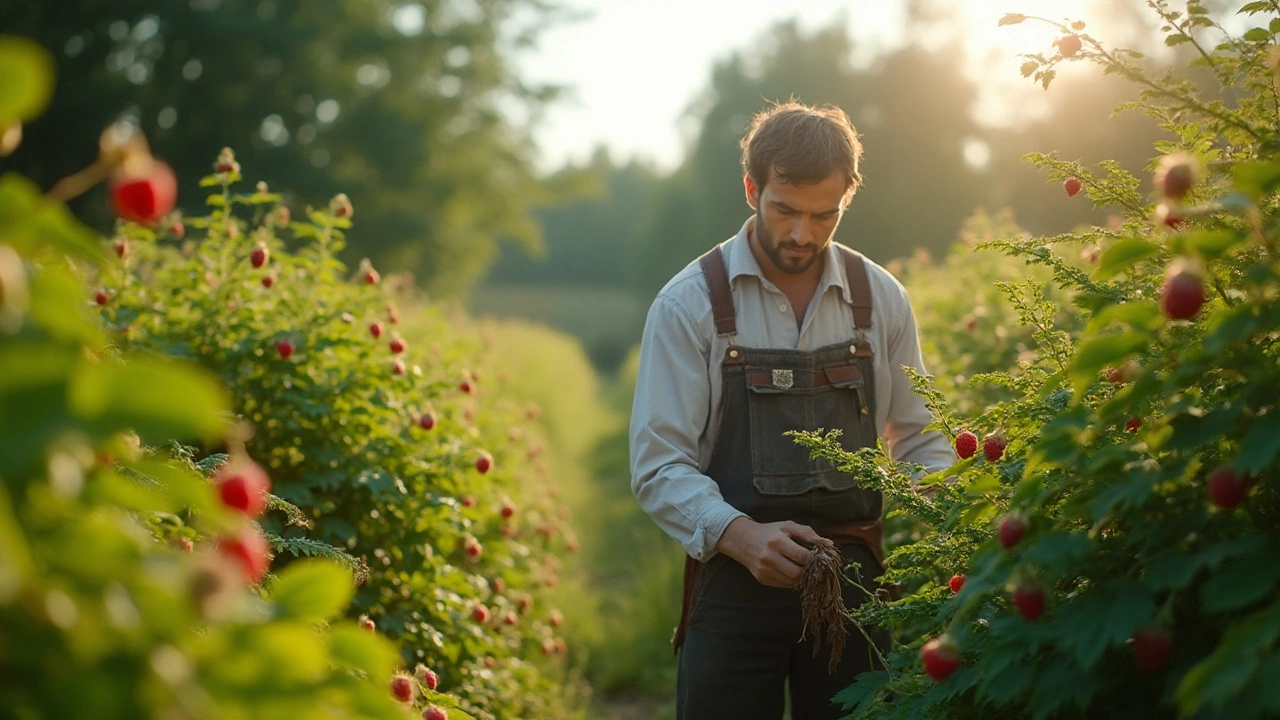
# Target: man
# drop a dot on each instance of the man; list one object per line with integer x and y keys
{"x": 776, "y": 329}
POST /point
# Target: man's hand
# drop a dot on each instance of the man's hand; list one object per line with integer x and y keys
{"x": 771, "y": 551}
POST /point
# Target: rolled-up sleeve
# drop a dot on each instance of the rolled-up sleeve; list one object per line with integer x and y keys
{"x": 904, "y": 432}
{"x": 668, "y": 416}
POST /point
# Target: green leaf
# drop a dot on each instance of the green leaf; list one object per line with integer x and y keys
{"x": 15, "y": 560}
{"x": 358, "y": 649}
{"x": 1241, "y": 582}
{"x": 1101, "y": 618}
{"x": 1231, "y": 325}
{"x": 1257, "y": 35}
{"x": 1122, "y": 255}
{"x": 1211, "y": 244}
{"x": 1100, "y": 352}
{"x": 29, "y": 222}
{"x": 26, "y": 79}
{"x": 1258, "y": 178}
{"x": 1253, "y": 8}
{"x": 1172, "y": 40}
{"x": 1261, "y": 444}
{"x": 312, "y": 590}
{"x": 862, "y": 694}
{"x": 157, "y": 398}
{"x": 1137, "y": 314}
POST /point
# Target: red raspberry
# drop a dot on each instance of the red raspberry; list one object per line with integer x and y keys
{"x": 243, "y": 485}
{"x": 956, "y": 583}
{"x": 966, "y": 444}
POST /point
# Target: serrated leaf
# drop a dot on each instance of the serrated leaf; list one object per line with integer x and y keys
{"x": 312, "y": 590}
{"x": 1103, "y": 617}
{"x": 858, "y": 697}
{"x": 1029, "y": 67}
{"x": 1122, "y": 255}
{"x": 1253, "y": 8}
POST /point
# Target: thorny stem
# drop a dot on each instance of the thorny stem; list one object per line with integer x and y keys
{"x": 1139, "y": 78}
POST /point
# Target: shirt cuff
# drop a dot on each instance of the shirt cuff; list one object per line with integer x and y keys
{"x": 706, "y": 534}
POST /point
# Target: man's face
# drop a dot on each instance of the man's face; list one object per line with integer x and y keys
{"x": 795, "y": 223}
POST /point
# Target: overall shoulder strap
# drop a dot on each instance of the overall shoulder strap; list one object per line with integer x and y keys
{"x": 721, "y": 295}
{"x": 859, "y": 288}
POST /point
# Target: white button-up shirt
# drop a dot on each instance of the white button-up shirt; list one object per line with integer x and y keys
{"x": 676, "y": 413}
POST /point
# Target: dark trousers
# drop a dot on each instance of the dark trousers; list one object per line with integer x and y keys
{"x": 744, "y": 645}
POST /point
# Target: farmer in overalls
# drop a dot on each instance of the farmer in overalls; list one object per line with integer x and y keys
{"x": 778, "y": 328}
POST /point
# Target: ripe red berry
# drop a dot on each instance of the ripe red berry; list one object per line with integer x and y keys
{"x": 940, "y": 657}
{"x": 268, "y": 281}
{"x": 402, "y": 688}
{"x": 1115, "y": 375}
{"x": 508, "y": 510}
{"x": 473, "y": 548}
{"x": 398, "y": 367}
{"x": 556, "y": 618}
{"x": 1028, "y": 597}
{"x": 1151, "y": 648}
{"x": 147, "y": 197}
{"x": 122, "y": 248}
{"x": 259, "y": 256}
{"x": 468, "y": 501}
{"x": 249, "y": 551}
{"x": 398, "y": 346}
{"x": 243, "y": 485}
{"x": 366, "y": 623}
{"x": 1132, "y": 424}
{"x": 484, "y": 462}
{"x": 375, "y": 329}
{"x": 466, "y": 387}
{"x": 510, "y": 618}
{"x": 177, "y": 230}
{"x": 1069, "y": 45}
{"x": 1226, "y": 487}
{"x": 371, "y": 276}
{"x": 1072, "y": 186}
{"x": 1012, "y": 528}
{"x": 480, "y": 614}
{"x": 1175, "y": 175}
{"x": 434, "y": 712}
{"x": 285, "y": 348}
{"x": 956, "y": 583}
{"x": 1183, "y": 292}
{"x": 1170, "y": 215}
{"x": 993, "y": 446}
{"x": 101, "y": 298}
{"x": 427, "y": 421}
{"x": 966, "y": 444}
{"x": 427, "y": 676}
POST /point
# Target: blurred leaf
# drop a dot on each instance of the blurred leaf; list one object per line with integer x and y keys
{"x": 358, "y": 649}
{"x": 29, "y": 222}
{"x": 1242, "y": 581}
{"x": 1261, "y": 445}
{"x": 26, "y": 79}
{"x": 144, "y": 394}
{"x": 859, "y": 696}
{"x": 1258, "y": 178}
{"x": 1137, "y": 313}
{"x": 1122, "y": 255}
{"x": 1211, "y": 244}
{"x": 1095, "y": 354}
{"x": 312, "y": 590}
{"x": 15, "y": 560}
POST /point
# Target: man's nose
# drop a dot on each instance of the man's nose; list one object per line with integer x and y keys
{"x": 800, "y": 229}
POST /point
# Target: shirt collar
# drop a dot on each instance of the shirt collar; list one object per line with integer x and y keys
{"x": 741, "y": 261}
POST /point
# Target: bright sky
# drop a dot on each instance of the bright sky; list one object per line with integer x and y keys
{"x": 668, "y": 47}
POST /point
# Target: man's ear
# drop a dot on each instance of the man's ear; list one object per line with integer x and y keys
{"x": 752, "y": 190}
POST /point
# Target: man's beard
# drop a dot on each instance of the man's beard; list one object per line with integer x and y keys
{"x": 774, "y": 251}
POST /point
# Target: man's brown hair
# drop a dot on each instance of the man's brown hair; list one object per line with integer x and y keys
{"x": 801, "y": 145}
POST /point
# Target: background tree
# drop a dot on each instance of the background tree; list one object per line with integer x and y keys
{"x": 394, "y": 103}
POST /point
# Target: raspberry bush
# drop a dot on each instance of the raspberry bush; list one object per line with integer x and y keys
{"x": 1142, "y": 430}
{"x": 128, "y": 577}
{"x": 368, "y": 407}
